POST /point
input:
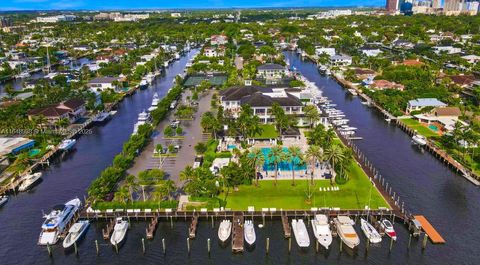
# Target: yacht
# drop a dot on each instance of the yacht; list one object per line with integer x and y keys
{"x": 155, "y": 102}
{"x": 29, "y": 180}
{"x": 388, "y": 227}
{"x": 301, "y": 233}
{"x": 23, "y": 75}
{"x": 101, "y": 117}
{"x": 347, "y": 128}
{"x": 67, "y": 144}
{"x": 3, "y": 200}
{"x": 347, "y": 133}
{"x": 143, "y": 83}
{"x": 177, "y": 56}
{"x": 56, "y": 221}
{"x": 249, "y": 232}
{"x": 321, "y": 230}
{"x": 346, "y": 231}
{"x": 143, "y": 118}
{"x": 370, "y": 232}
{"x": 119, "y": 231}
{"x": 224, "y": 230}
{"x": 75, "y": 233}
{"x": 165, "y": 64}
{"x": 419, "y": 139}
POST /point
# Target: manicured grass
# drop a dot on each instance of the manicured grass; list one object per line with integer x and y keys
{"x": 268, "y": 132}
{"x": 421, "y": 129}
{"x": 135, "y": 205}
{"x": 352, "y": 195}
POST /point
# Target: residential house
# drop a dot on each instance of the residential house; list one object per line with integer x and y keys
{"x": 362, "y": 74}
{"x": 385, "y": 84}
{"x": 103, "y": 83}
{"x": 412, "y": 62}
{"x": 371, "y": 52}
{"x": 218, "y": 40}
{"x": 441, "y": 118}
{"x": 446, "y": 49}
{"x": 340, "y": 60}
{"x": 403, "y": 44}
{"x": 271, "y": 72}
{"x": 462, "y": 81}
{"x": 328, "y": 51}
{"x": 420, "y": 103}
{"x": 72, "y": 109}
{"x": 14, "y": 145}
{"x": 472, "y": 58}
{"x": 214, "y": 51}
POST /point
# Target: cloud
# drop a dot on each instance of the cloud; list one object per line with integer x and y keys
{"x": 66, "y": 5}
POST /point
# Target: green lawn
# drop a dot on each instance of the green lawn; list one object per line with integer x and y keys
{"x": 352, "y": 195}
{"x": 268, "y": 132}
{"x": 421, "y": 129}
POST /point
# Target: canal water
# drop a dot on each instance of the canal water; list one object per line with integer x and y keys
{"x": 426, "y": 186}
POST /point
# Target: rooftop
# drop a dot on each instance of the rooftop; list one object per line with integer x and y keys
{"x": 424, "y": 102}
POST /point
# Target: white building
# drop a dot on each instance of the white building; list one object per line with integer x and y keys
{"x": 103, "y": 83}
{"x": 371, "y": 52}
{"x": 340, "y": 60}
{"x": 328, "y": 51}
{"x": 55, "y": 19}
{"x": 446, "y": 49}
{"x": 473, "y": 59}
{"x": 420, "y": 103}
{"x": 175, "y": 14}
{"x": 218, "y": 40}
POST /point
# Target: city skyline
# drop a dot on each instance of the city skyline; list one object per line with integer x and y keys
{"x": 151, "y": 4}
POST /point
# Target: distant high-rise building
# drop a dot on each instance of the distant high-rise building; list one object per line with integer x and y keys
{"x": 436, "y": 3}
{"x": 453, "y": 5}
{"x": 5, "y": 22}
{"x": 392, "y": 5}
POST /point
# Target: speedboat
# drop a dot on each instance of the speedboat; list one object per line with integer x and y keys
{"x": 370, "y": 232}
{"x": 301, "y": 233}
{"x": 56, "y": 221}
{"x": 321, "y": 230}
{"x": 419, "y": 139}
{"x": 29, "y": 180}
{"x": 119, "y": 231}
{"x": 249, "y": 232}
{"x": 388, "y": 227}
{"x": 346, "y": 231}
{"x": 3, "y": 200}
{"x": 75, "y": 232}
{"x": 101, "y": 117}
{"x": 67, "y": 144}
{"x": 224, "y": 230}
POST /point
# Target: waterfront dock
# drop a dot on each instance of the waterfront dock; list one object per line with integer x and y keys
{"x": 237, "y": 232}
{"x": 434, "y": 236}
{"x": 192, "y": 231}
{"x": 287, "y": 231}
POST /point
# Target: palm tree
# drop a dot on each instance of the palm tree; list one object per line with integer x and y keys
{"x": 276, "y": 156}
{"x": 258, "y": 159}
{"x": 295, "y": 157}
{"x": 131, "y": 183}
{"x": 334, "y": 154}
{"x": 168, "y": 187}
{"x": 329, "y": 137}
{"x": 122, "y": 195}
{"x": 314, "y": 153}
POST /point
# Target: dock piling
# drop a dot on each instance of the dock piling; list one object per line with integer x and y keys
{"x": 96, "y": 247}
{"x": 76, "y": 248}
{"x": 164, "y": 247}
{"x": 391, "y": 244}
{"x": 267, "y": 245}
{"x": 409, "y": 240}
{"x": 49, "y": 249}
{"x": 424, "y": 243}
{"x": 316, "y": 246}
{"x": 208, "y": 246}
{"x": 289, "y": 245}
{"x": 116, "y": 247}
{"x": 341, "y": 245}
{"x": 188, "y": 245}
{"x": 143, "y": 245}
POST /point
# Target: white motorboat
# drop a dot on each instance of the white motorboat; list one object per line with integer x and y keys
{"x": 143, "y": 83}
{"x": 321, "y": 230}
{"x": 29, "y": 180}
{"x": 224, "y": 230}
{"x": 177, "y": 56}
{"x": 249, "y": 232}
{"x": 165, "y": 64}
{"x": 3, "y": 200}
{"x": 56, "y": 221}
{"x": 347, "y": 128}
{"x": 347, "y": 133}
{"x": 419, "y": 139}
{"x": 119, "y": 231}
{"x": 155, "y": 102}
{"x": 67, "y": 144}
{"x": 346, "y": 231}
{"x": 301, "y": 233}
{"x": 143, "y": 118}
{"x": 75, "y": 232}
{"x": 353, "y": 92}
{"x": 101, "y": 117}
{"x": 388, "y": 227}
{"x": 370, "y": 232}
{"x": 23, "y": 75}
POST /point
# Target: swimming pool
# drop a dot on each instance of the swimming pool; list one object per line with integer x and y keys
{"x": 433, "y": 127}
{"x": 282, "y": 166}
{"x": 231, "y": 146}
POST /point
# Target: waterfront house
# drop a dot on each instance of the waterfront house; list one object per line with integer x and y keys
{"x": 412, "y": 62}
{"x": 71, "y": 109}
{"x": 441, "y": 118}
{"x": 261, "y": 100}
{"x": 14, "y": 145}
{"x": 214, "y": 51}
{"x": 362, "y": 74}
{"x": 463, "y": 81}
{"x": 371, "y": 52}
{"x": 446, "y": 49}
{"x": 472, "y": 59}
{"x": 385, "y": 84}
{"x": 271, "y": 73}
{"x": 328, "y": 51}
{"x": 340, "y": 60}
{"x": 420, "y": 103}
{"x": 103, "y": 83}
{"x": 403, "y": 44}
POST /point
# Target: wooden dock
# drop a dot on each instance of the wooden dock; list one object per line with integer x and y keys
{"x": 287, "y": 231}
{"x": 434, "y": 236}
{"x": 108, "y": 229}
{"x": 237, "y": 232}
{"x": 192, "y": 231}
{"x": 152, "y": 226}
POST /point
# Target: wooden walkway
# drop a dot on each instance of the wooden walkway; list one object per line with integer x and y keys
{"x": 434, "y": 236}
{"x": 287, "y": 231}
{"x": 237, "y": 232}
{"x": 192, "y": 231}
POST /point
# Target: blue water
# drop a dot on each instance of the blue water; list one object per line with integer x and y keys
{"x": 433, "y": 128}
{"x": 282, "y": 166}
{"x": 231, "y": 146}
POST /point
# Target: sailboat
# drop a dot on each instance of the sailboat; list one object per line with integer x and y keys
{"x": 249, "y": 232}
{"x": 370, "y": 232}
{"x": 321, "y": 230}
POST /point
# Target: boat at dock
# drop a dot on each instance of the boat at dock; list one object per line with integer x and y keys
{"x": 75, "y": 233}
{"x": 101, "y": 117}
{"x": 224, "y": 230}
{"x": 29, "y": 181}
{"x": 321, "y": 230}
{"x": 3, "y": 200}
{"x": 249, "y": 232}
{"x": 143, "y": 118}
{"x": 143, "y": 83}
{"x": 301, "y": 233}
{"x": 370, "y": 232}
{"x": 388, "y": 228}
{"x": 155, "y": 102}
{"x": 67, "y": 144}
{"x": 346, "y": 231}
{"x": 119, "y": 231}
{"x": 57, "y": 220}
{"x": 419, "y": 139}
{"x": 353, "y": 92}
